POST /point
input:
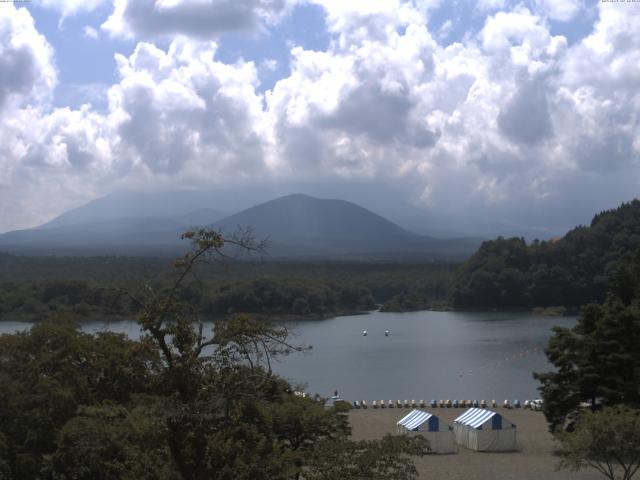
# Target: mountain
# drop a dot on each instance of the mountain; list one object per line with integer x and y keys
{"x": 181, "y": 206}
{"x": 300, "y": 225}
{"x": 295, "y": 225}
{"x": 137, "y": 236}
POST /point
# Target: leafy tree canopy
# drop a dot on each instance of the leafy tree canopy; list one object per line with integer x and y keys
{"x": 608, "y": 440}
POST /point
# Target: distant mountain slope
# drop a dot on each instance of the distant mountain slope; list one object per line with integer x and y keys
{"x": 177, "y": 206}
{"x": 297, "y": 226}
{"x": 126, "y": 232}
{"x": 301, "y": 225}
{"x": 569, "y": 271}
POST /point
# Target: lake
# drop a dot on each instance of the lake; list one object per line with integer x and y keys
{"x": 427, "y": 355}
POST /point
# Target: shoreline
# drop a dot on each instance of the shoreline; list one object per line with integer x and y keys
{"x": 535, "y": 458}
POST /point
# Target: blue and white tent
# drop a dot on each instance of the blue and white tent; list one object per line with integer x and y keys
{"x": 484, "y": 431}
{"x": 439, "y": 434}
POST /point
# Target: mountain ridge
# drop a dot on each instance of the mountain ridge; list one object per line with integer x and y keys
{"x": 297, "y": 225}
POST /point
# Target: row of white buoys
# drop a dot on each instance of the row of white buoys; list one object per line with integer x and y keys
{"x": 531, "y": 404}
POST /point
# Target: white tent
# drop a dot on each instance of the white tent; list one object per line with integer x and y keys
{"x": 484, "y": 431}
{"x": 439, "y": 434}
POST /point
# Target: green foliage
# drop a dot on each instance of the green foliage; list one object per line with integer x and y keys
{"x": 597, "y": 361}
{"x": 608, "y": 440}
{"x": 571, "y": 271}
{"x": 34, "y": 288}
{"x": 385, "y": 459}
{"x": 110, "y": 442}
{"x": 275, "y": 296}
{"x": 49, "y": 372}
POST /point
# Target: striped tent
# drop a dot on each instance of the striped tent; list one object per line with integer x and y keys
{"x": 484, "y": 431}
{"x": 439, "y": 434}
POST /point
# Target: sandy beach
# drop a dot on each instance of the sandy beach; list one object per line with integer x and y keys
{"x": 534, "y": 459}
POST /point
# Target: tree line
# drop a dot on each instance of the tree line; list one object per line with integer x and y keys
{"x": 571, "y": 271}
{"x": 51, "y": 286}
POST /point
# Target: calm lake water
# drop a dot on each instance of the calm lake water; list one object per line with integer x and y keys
{"x": 439, "y": 355}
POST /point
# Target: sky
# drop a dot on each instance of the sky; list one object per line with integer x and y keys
{"x": 523, "y": 114}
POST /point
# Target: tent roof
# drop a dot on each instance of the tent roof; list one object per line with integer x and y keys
{"x": 474, "y": 417}
{"x": 414, "y": 419}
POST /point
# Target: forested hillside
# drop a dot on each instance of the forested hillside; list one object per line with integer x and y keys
{"x": 570, "y": 271}
{"x": 34, "y": 288}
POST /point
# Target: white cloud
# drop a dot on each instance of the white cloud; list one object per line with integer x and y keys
{"x": 561, "y": 11}
{"x": 490, "y": 4}
{"x": 26, "y": 71}
{"x": 269, "y": 64}
{"x": 70, "y": 7}
{"x": 173, "y": 114}
{"x": 202, "y": 19}
{"x": 90, "y": 32}
{"x": 180, "y": 111}
{"x": 508, "y": 121}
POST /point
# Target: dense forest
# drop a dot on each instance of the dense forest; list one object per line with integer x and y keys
{"x": 33, "y": 288}
{"x": 570, "y": 271}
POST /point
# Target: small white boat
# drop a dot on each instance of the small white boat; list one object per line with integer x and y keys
{"x": 386, "y": 333}
{"x": 364, "y": 333}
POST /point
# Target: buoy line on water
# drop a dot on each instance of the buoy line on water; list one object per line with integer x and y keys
{"x": 537, "y": 349}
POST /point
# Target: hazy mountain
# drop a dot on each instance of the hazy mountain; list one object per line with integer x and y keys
{"x": 122, "y": 236}
{"x": 295, "y": 225}
{"x": 185, "y": 207}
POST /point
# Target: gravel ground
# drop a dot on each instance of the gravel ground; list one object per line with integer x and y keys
{"x": 534, "y": 459}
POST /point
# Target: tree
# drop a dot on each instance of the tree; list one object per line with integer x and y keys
{"x": 607, "y": 440}
{"x": 180, "y": 404}
{"x": 49, "y": 372}
{"x": 598, "y": 360}
{"x": 386, "y": 459}
{"x": 229, "y": 416}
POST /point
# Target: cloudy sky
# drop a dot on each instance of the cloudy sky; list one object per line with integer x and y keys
{"x": 525, "y": 113}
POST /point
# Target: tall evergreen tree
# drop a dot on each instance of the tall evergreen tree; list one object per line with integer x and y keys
{"x": 598, "y": 360}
